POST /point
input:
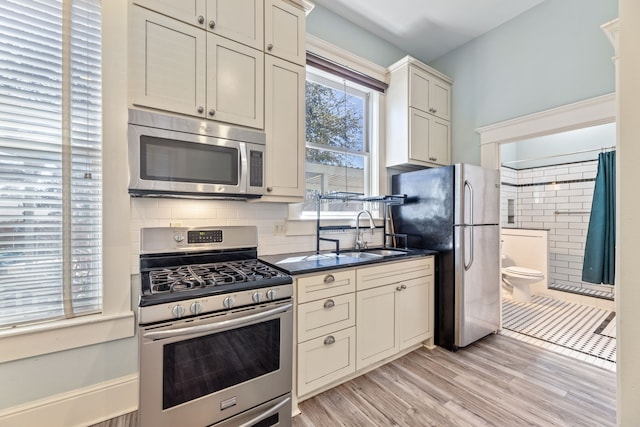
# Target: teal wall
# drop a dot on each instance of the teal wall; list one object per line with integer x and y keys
{"x": 328, "y": 26}
{"x": 552, "y": 55}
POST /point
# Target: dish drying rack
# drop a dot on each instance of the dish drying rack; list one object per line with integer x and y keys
{"x": 343, "y": 196}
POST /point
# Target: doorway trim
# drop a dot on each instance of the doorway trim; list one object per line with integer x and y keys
{"x": 582, "y": 114}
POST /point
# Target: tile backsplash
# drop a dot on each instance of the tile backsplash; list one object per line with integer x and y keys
{"x": 269, "y": 218}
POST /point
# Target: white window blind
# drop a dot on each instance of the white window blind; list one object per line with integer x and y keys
{"x": 50, "y": 160}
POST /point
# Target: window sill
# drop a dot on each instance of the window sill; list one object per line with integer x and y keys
{"x": 35, "y": 340}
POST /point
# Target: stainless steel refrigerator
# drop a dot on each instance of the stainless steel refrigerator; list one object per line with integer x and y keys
{"x": 456, "y": 211}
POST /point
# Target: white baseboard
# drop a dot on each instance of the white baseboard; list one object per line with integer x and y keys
{"x": 81, "y": 407}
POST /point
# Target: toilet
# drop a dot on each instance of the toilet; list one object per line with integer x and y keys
{"x": 520, "y": 278}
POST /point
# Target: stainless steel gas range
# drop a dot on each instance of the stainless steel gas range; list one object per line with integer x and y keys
{"x": 215, "y": 330}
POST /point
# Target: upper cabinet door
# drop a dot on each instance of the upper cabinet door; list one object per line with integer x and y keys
{"x": 284, "y": 126}
{"x": 440, "y": 99}
{"x": 168, "y": 64}
{"x": 235, "y": 82}
{"x": 284, "y": 31}
{"x": 190, "y": 11}
{"x": 239, "y": 20}
{"x": 419, "y": 84}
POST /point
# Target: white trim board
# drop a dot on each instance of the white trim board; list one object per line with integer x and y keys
{"x": 591, "y": 112}
{"x": 78, "y": 408}
{"x": 346, "y": 58}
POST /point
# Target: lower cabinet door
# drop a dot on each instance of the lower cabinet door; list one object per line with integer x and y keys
{"x": 416, "y": 315}
{"x": 326, "y": 359}
{"x": 376, "y": 321}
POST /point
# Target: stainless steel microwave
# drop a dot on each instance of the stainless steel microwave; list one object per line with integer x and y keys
{"x": 180, "y": 157}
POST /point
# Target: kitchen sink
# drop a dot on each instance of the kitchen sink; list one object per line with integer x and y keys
{"x": 385, "y": 252}
{"x": 373, "y": 253}
{"x": 361, "y": 255}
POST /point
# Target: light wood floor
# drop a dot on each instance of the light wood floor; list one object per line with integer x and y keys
{"x": 495, "y": 382}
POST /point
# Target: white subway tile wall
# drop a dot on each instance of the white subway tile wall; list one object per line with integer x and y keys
{"x": 152, "y": 212}
{"x": 545, "y": 200}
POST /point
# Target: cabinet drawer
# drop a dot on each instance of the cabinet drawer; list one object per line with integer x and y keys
{"x": 324, "y": 316}
{"x": 326, "y": 359}
{"x": 384, "y": 274}
{"x": 326, "y": 285}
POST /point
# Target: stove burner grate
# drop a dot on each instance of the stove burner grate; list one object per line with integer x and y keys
{"x": 187, "y": 277}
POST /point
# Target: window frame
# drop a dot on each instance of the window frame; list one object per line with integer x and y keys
{"x": 371, "y": 143}
{"x": 117, "y": 320}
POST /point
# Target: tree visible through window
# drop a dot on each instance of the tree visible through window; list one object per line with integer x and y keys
{"x": 337, "y": 157}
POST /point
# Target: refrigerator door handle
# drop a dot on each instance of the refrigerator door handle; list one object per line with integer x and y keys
{"x": 468, "y": 266}
{"x": 469, "y": 201}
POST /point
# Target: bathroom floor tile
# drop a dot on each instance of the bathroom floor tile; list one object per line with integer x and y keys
{"x": 575, "y": 330}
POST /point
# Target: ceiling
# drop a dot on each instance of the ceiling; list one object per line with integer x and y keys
{"x": 427, "y": 29}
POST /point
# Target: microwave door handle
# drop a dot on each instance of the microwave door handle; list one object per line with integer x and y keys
{"x": 212, "y": 327}
{"x": 266, "y": 414}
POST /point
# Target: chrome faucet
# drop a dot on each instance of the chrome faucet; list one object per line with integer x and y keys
{"x": 360, "y": 243}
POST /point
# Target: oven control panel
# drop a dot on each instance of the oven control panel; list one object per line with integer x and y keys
{"x": 204, "y": 236}
{"x": 212, "y": 303}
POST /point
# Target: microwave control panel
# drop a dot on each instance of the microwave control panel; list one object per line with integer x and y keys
{"x": 256, "y": 169}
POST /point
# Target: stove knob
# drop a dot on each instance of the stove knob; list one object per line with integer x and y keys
{"x": 196, "y": 308}
{"x": 257, "y": 297}
{"x": 228, "y": 302}
{"x": 178, "y": 311}
{"x": 271, "y": 294}
{"x": 178, "y": 237}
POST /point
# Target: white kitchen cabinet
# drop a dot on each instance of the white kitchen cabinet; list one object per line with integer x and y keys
{"x": 180, "y": 68}
{"x": 284, "y": 31}
{"x": 428, "y": 138}
{"x": 238, "y": 20}
{"x": 326, "y": 335}
{"x": 429, "y": 93}
{"x": 377, "y": 325}
{"x": 418, "y": 111}
{"x": 284, "y": 127}
{"x": 168, "y": 64}
{"x": 235, "y": 82}
{"x": 324, "y": 360}
{"x": 394, "y": 308}
{"x": 189, "y": 11}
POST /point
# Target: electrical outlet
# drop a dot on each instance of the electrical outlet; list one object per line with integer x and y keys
{"x": 175, "y": 224}
{"x": 279, "y": 227}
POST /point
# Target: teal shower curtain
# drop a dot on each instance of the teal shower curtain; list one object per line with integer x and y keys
{"x": 600, "y": 248}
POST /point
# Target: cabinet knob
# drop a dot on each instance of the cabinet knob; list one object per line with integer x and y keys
{"x": 329, "y": 340}
{"x": 212, "y": 24}
{"x": 270, "y": 47}
{"x": 269, "y": 189}
{"x": 200, "y": 19}
{"x": 403, "y": 286}
{"x": 212, "y": 112}
{"x": 329, "y": 279}
{"x": 200, "y": 110}
{"x": 329, "y": 303}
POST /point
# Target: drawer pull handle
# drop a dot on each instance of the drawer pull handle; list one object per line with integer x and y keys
{"x": 329, "y": 303}
{"x": 329, "y": 340}
{"x": 329, "y": 279}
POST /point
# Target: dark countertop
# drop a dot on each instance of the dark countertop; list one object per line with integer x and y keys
{"x": 310, "y": 262}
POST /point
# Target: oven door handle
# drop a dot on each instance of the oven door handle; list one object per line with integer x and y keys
{"x": 158, "y": 335}
{"x": 266, "y": 414}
